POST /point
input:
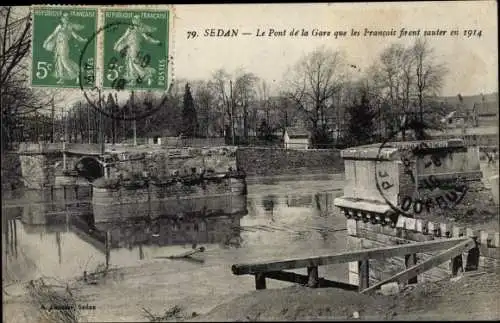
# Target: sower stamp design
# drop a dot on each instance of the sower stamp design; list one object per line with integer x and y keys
{"x": 59, "y": 34}
{"x": 135, "y": 50}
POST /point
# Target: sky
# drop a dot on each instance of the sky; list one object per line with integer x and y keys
{"x": 472, "y": 61}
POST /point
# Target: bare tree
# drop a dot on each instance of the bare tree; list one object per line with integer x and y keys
{"x": 407, "y": 78}
{"x": 222, "y": 89}
{"x": 14, "y": 96}
{"x": 19, "y": 103}
{"x": 15, "y": 42}
{"x": 429, "y": 74}
{"x": 313, "y": 83}
{"x": 393, "y": 79}
{"x": 245, "y": 94}
{"x": 210, "y": 118}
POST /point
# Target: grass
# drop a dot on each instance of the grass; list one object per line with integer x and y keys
{"x": 99, "y": 274}
{"x": 56, "y": 303}
{"x": 173, "y": 313}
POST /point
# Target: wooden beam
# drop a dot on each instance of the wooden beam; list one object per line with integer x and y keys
{"x": 411, "y": 272}
{"x": 410, "y": 261}
{"x": 364, "y": 274}
{"x": 375, "y": 253}
{"x": 260, "y": 281}
{"x": 312, "y": 273}
{"x": 304, "y": 280}
{"x": 107, "y": 244}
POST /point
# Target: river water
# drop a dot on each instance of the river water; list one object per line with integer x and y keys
{"x": 281, "y": 218}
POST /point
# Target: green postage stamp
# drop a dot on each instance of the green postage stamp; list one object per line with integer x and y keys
{"x": 59, "y": 36}
{"x": 135, "y": 49}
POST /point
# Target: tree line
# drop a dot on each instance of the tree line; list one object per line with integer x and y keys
{"x": 324, "y": 92}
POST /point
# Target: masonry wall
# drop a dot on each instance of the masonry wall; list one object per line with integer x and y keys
{"x": 361, "y": 180}
{"x": 459, "y": 165}
{"x": 166, "y": 162}
{"x": 37, "y": 170}
{"x": 366, "y": 235}
{"x": 369, "y": 226}
{"x": 256, "y": 161}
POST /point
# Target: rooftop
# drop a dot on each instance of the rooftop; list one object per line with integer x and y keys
{"x": 297, "y": 132}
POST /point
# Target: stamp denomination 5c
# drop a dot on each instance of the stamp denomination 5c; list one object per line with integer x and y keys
{"x": 135, "y": 49}
{"x": 59, "y": 34}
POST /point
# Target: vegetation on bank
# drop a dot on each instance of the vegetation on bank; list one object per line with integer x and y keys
{"x": 56, "y": 303}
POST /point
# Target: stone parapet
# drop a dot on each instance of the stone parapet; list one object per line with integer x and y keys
{"x": 416, "y": 175}
{"x": 389, "y": 192}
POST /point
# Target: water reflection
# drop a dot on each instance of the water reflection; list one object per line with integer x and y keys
{"x": 196, "y": 206}
{"x": 222, "y": 229}
{"x": 63, "y": 239}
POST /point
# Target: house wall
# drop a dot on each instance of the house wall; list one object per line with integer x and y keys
{"x": 297, "y": 143}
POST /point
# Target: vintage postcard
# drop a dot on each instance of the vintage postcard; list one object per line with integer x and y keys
{"x": 250, "y": 162}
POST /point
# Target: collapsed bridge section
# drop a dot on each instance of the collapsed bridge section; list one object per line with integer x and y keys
{"x": 407, "y": 192}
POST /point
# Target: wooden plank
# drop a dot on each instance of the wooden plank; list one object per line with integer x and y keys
{"x": 457, "y": 265}
{"x": 364, "y": 274}
{"x": 260, "y": 281}
{"x": 108, "y": 247}
{"x": 376, "y": 253}
{"x": 426, "y": 265}
{"x": 312, "y": 273}
{"x": 304, "y": 280}
{"x": 184, "y": 254}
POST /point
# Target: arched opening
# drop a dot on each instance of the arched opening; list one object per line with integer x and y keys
{"x": 90, "y": 168}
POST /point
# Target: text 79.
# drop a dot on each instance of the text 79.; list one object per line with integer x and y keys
{"x": 191, "y": 34}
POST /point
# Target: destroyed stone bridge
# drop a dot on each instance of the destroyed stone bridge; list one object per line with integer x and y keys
{"x": 57, "y": 164}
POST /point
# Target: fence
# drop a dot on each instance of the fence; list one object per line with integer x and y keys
{"x": 454, "y": 247}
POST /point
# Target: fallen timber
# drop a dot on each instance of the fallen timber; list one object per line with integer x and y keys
{"x": 275, "y": 269}
{"x": 184, "y": 255}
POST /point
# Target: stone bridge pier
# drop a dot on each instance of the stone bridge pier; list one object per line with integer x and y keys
{"x": 385, "y": 203}
{"x": 54, "y": 164}
{"x": 45, "y": 165}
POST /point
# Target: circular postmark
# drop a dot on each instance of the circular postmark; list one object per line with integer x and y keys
{"x": 423, "y": 183}
{"x": 134, "y": 74}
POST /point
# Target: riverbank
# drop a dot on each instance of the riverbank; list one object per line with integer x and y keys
{"x": 468, "y": 298}
{"x": 473, "y": 296}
